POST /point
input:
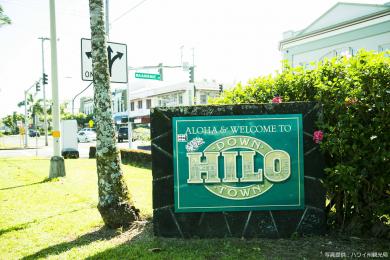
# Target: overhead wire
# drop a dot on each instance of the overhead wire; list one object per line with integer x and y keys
{"x": 128, "y": 11}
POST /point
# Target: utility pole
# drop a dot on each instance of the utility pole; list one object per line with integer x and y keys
{"x": 43, "y": 39}
{"x": 57, "y": 166}
{"x": 160, "y": 71}
{"x": 25, "y": 120}
{"x": 193, "y": 57}
{"x": 26, "y": 116}
{"x": 107, "y": 20}
{"x": 181, "y": 55}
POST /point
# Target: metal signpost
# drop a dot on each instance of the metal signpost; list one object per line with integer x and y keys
{"x": 238, "y": 163}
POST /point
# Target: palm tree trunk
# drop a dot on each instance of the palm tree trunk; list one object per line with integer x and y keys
{"x": 115, "y": 204}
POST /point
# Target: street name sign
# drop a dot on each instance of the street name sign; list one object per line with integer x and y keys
{"x": 117, "y": 61}
{"x": 141, "y": 75}
{"x": 238, "y": 163}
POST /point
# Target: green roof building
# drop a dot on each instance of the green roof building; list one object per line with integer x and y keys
{"x": 342, "y": 30}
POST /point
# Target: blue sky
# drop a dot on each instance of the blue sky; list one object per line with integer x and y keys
{"x": 233, "y": 40}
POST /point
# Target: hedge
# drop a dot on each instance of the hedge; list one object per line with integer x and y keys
{"x": 355, "y": 93}
{"x": 133, "y": 157}
{"x": 138, "y": 158}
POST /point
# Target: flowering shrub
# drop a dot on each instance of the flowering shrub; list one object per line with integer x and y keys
{"x": 277, "y": 99}
{"x": 355, "y": 94}
{"x": 318, "y": 136}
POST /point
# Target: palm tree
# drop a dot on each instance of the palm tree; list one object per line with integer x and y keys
{"x": 115, "y": 204}
{"x": 34, "y": 106}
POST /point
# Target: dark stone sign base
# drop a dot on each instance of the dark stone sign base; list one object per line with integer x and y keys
{"x": 247, "y": 224}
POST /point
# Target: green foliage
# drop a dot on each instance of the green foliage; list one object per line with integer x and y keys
{"x": 141, "y": 133}
{"x": 4, "y": 19}
{"x": 81, "y": 118}
{"x": 355, "y": 94}
{"x": 136, "y": 158}
{"x": 11, "y": 122}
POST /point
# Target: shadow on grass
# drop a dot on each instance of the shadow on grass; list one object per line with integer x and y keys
{"x": 134, "y": 243}
{"x": 26, "y": 185}
{"x": 27, "y": 224}
{"x": 16, "y": 227}
{"x": 103, "y": 233}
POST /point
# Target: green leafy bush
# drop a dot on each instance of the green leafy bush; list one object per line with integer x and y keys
{"x": 355, "y": 93}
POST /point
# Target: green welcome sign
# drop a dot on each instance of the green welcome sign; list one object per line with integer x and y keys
{"x": 238, "y": 163}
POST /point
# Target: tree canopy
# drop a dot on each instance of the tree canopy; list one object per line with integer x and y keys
{"x": 4, "y": 19}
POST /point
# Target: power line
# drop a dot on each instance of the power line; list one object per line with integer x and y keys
{"x": 128, "y": 11}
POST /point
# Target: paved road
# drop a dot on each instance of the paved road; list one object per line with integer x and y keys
{"x": 36, "y": 147}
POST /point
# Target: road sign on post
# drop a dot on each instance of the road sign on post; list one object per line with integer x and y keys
{"x": 117, "y": 61}
{"x": 141, "y": 75}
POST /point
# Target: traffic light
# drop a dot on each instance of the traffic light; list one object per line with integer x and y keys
{"x": 191, "y": 71}
{"x": 37, "y": 87}
{"x": 220, "y": 88}
{"x": 44, "y": 79}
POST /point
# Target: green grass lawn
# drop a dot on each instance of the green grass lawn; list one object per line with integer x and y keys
{"x": 59, "y": 220}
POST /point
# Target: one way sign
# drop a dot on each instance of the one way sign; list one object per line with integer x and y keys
{"x": 117, "y": 61}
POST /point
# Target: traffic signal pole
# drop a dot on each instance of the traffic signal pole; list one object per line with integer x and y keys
{"x": 26, "y": 116}
{"x": 44, "y": 90}
{"x": 25, "y": 119}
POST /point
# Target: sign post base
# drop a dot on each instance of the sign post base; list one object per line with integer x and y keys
{"x": 57, "y": 167}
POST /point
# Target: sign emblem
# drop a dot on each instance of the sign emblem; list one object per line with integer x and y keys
{"x": 238, "y": 162}
{"x": 276, "y": 167}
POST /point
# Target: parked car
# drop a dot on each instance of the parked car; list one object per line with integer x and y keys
{"x": 33, "y": 133}
{"x": 86, "y": 136}
{"x": 123, "y": 134}
{"x": 88, "y": 130}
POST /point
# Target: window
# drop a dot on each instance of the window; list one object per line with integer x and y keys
{"x": 384, "y": 47}
{"x": 132, "y": 106}
{"x": 180, "y": 99}
{"x": 345, "y": 52}
{"x": 139, "y": 104}
{"x": 148, "y": 103}
{"x": 203, "y": 99}
{"x": 118, "y": 108}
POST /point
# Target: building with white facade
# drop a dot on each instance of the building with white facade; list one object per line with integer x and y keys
{"x": 86, "y": 105}
{"x": 342, "y": 30}
{"x": 145, "y": 96}
{"x": 119, "y": 100}
{"x": 119, "y": 97}
{"x": 167, "y": 95}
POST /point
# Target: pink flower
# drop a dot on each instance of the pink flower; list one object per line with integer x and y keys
{"x": 318, "y": 136}
{"x": 277, "y": 99}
